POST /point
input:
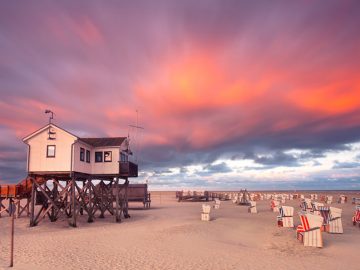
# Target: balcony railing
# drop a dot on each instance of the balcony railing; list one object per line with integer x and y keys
{"x": 128, "y": 169}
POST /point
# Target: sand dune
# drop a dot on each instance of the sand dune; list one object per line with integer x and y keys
{"x": 171, "y": 236}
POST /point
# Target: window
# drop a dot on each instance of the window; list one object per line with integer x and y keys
{"x": 82, "y": 154}
{"x": 50, "y": 152}
{"x": 87, "y": 156}
{"x": 108, "y": 156}
{"x": 123, "y": 157}
{"x": 98, "y": 156}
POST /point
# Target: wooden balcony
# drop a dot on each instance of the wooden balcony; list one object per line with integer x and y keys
{"x": 128, "y": 169}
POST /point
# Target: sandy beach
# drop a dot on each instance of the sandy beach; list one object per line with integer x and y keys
{"x": 171, "y": 235}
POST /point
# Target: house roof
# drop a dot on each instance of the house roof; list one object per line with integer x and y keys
{"x": 96, "y": 142}
{"x": 103, "y": 142}
{"x": 44, "y": 128}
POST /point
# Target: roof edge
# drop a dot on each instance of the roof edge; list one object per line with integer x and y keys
{"x": 43, "y": 128}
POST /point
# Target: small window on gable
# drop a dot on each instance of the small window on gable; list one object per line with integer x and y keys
{"x": 98, "y": 156}
{"x": 82, "y": 154}
{"x": 87, "y": 156}
{"x": 50, "y": 151}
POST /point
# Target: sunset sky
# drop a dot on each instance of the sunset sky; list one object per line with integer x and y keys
{"x": 232, "y": 94}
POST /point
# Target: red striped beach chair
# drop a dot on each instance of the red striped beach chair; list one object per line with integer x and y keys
{"x": 274, "y": 205}
{"x": 309, "y": 231}
{"x": 356, "y": 217}
{"x": 286, "y": 217}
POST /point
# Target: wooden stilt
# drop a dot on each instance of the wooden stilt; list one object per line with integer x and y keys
{"x": 91, "y": 202}
{"x": 126, "y": 203}
{"x": 32, "y": 208}
{"x": 27, "y": 206}
{"x": 117, "y": 201}
{"x": 12, "y": 212}
{"x": 73, "y": 204}
{"x": 102, "y": 199}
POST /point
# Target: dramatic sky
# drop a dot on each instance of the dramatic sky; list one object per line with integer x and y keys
{"x": 232, "y": 94}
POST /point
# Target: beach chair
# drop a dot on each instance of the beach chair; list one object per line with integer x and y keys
{"x": 342, "y": 199}
{"x": 217, "y": 204}
{"x": 328, "y": 199}
{"x": 315, "y": 207}
{"x": 325, "y": 213}
{"x": 252, "y": 208}
{"x": 356, "y": 201}
{"x": 309, "y": 231}
{"x": 335, "y": 223}
{"x": 274, "y": 206}
{"x": 306, "y": 205}
{"x": 205, "y": 214}
{"x": 356, "y": 217}
{"x": 286, "y": 217}
{"x": 235, "y": 199}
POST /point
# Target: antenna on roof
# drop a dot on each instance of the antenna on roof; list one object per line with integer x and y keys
{"x": 52, "y": 115}
{"x": 137, "y": 127}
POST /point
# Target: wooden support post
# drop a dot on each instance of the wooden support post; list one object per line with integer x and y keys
{"x": 126, "y": 203}
{"x": 18, "y": 208}
{"x": 27, "y": 206}
{"x": 102, "y": 204}
{"x": 117, "y": 201}
{"x": 12, "y": 212}
{"x": 91, "y": 202}
{"x": 73, "y": 204}
{"x": 54, "y": 193}
{"x": 32, "y": 207}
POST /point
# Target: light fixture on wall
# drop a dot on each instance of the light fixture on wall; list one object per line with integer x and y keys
{"x": 52, "y": 115}
{"x": 51, "y": 132}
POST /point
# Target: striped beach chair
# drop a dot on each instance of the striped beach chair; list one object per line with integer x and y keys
{"x": 286, "y": 217}
{"x": 309, "y": 231}
{"x": 342, "y": 199}
{"x": 315, "y": 208}
{"x": 205, "y": 214}
{"x": 356, "y": 201}
{"x": 235, "y": 199}
{"x": 306, "y": 205}
{"x": 328, "y": 199}
{"x": 274, "y": 205}
{"x": 356, "y": 217}
{"x": 335, "y": 223}
{"x": 252, "y": 208}
{"x": 325, "y": 213}
{"x": 217, "y": 204}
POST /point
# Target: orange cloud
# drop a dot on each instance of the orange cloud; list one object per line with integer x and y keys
{"x": 333, "y": 98}
{"x": 197, "y": 82}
